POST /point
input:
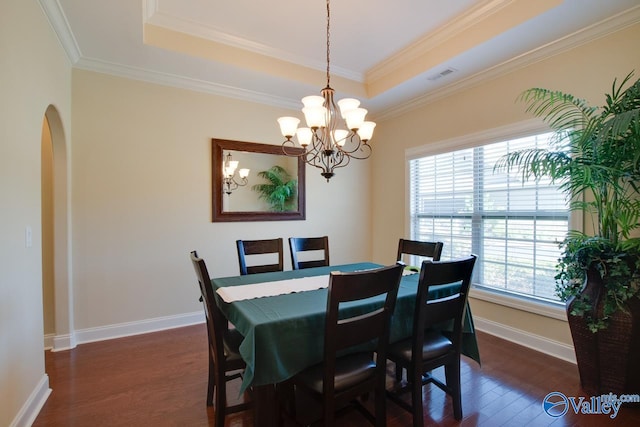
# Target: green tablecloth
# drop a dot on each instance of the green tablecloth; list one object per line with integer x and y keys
{"x": 284, "y": 334}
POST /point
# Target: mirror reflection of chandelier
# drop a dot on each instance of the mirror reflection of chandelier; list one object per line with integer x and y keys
{"x": 335, "y": 134}
{"x": 229, "y": 182}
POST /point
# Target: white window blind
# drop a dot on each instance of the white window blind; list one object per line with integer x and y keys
{"x": 513, "y": 226}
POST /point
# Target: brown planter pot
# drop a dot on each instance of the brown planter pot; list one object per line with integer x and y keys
{"x": 608, "y": 360}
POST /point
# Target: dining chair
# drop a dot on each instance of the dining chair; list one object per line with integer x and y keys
{"x": 432, "y": 250}
{"x": 225, "y": 363}
{"x": 423, "y": 250}
{"x": 428, "y": 347}
{"x": 307, "y": 244}
{"x": 349, "y": 368}
{"x": 261, "y": 248}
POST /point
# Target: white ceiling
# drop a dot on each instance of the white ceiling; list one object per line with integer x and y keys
{"x": 274, "y": 52}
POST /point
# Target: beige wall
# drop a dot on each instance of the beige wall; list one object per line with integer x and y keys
{"x": 586, "y": 71}
{"x": 34, "y": 73}
{"x": 142, "y": 197}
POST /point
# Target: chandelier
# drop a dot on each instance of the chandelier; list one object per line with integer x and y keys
{"x": 229, "y": 182}
{"x": 334, "y": 134}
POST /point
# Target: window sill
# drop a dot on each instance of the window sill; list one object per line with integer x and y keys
{"x": 554, "y": 311}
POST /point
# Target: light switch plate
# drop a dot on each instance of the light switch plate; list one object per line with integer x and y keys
{"x": 28, "y": 237}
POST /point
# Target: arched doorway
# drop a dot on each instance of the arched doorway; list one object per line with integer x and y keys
{"x": 56, "y": 259}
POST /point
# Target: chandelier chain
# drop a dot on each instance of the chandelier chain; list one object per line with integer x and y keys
{"x": 328, "y": 45}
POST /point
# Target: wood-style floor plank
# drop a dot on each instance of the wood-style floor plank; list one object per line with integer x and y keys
{"x": 160, "y": 379}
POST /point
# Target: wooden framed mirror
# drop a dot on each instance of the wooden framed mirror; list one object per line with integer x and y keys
{"x": 239, "y": 201}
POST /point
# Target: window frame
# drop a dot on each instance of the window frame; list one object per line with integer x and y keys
{"x": 517, "y": 130}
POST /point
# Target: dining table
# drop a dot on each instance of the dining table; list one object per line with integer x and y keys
{"x": 281, "y": 317}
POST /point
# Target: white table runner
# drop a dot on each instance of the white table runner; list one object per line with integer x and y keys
{"x": 269, "y": 289}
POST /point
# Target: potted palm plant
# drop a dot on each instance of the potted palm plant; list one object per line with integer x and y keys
{"x": 594, "y": 157}
{"x": 280, "y": 190}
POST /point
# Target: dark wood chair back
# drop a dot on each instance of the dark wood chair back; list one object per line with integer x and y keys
{"x": 225, "y": 363}
{"x": 429, "y": 347}
{"x": 452, "y": 308}
{"x": 304, "y": 244}
{"x": 349, "y": 368}
{"x": 260, "y": 247}
{"x": 431, "y": 250}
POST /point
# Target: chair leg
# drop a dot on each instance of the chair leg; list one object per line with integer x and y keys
{"x": 452, "y": 375}
{"x": 416, "y": 397}
{"x": 398, "y": 372}
{"x": 329, "y": 412}
{"x": 286, "y": 398}
{"x": 381, "y": 407}
{"x": 221, "y": 401}
{"x": 211, "y": 385}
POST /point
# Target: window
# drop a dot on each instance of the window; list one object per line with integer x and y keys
{"x": 513, "y": 226}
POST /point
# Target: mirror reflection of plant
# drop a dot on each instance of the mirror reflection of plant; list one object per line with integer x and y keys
{"x": 280, "y": 192}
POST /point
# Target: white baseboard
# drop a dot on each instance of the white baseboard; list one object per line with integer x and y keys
{"x": 63, "y": 342}
{"x": 31, "y": 408}
{"x": 140, "y": 327}
{"x": 535, "y": 342}
{"x": 55, "y": 342}
{"x": 68, "y": 341}
{"x": 48, "y": 341}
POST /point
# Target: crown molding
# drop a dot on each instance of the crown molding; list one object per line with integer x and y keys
{"x": 584, "y": 36}
{"x": 58, "y": 21}
{"x": 181, "y": 82}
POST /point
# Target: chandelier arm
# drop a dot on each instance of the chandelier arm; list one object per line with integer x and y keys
{"x": 360, "y": 147}
{"x": 344, "y": 160}
{"x": 286, "y": 145}
{"x": 315, "y": 161}
{"x": 313, "y": 158}
{"x": 352, "y": 139}
{"x": 318, "y": 140}
{"x": 309, "y": 156}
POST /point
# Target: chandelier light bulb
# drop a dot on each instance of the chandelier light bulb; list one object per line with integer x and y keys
{"x": 288, "y": 126}
{"x": 340, "y": 136}
{"x": 304, "y": 136}
{"x": 316, "y": 116}
{"x": 355, "y": 118}
{"x": 230, "y": 167}
{"x": 313, "y": 101}
{"x": 365, "y": 131}
{"x": 347, "y": 104}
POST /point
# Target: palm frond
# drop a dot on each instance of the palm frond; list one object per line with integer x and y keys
{"x": 536, "y": 163}
{"x": 559, "y": 110}
{"x": 280, "y": 191}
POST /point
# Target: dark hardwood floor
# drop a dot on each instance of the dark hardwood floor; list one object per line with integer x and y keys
{"x": 160, "y": 379}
